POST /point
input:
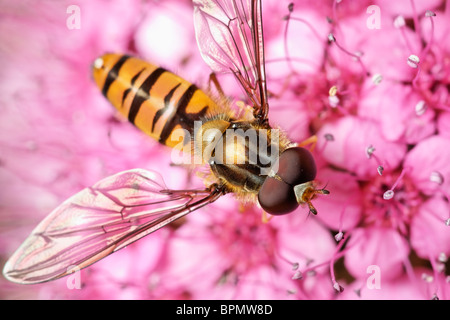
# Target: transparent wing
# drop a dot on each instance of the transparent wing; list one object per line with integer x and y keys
{"x": 100, "y": 220}
{"x": 230, "y": 37}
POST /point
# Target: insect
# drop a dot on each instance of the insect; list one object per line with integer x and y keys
{"x": 123, "y": 208}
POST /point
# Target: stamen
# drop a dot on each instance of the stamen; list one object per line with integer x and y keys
{"x": 297, "y": 275}
{"x": 336, "y": 285}
{"x": 328, "y": 138}
{"x": 399, "y": 23}
{"x": 416, "y": 20}
{"x": 288, "y": 18}
{"x": 357, "y": 55}
{"x": 370, "y": 153}
{"x": 429, "y": 14}
{"x": 389, "y": 194}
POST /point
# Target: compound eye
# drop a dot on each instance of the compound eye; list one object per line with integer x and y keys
{"x": 296, "y": 166}
{"x": 277, "y": 197}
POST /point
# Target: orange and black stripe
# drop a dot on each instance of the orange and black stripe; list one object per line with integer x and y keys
{"x": 155, "y": 100}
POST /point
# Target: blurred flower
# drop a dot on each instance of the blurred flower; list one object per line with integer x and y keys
{"x": 382, "y": 150}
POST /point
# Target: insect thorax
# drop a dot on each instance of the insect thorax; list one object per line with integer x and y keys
{"x": 240, "y": 153}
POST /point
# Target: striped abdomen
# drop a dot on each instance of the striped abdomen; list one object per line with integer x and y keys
{"x": 153, "y": 99}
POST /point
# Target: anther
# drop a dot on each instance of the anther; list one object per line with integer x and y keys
{"x": 338, "y": 287}
{"x": 297, "y": 276}
{"x": 332, "y": 91}
{"x": 377, "y": 78}
{"x": 447, "y": 222}
{"x": 338, "y": 236}
{"x": 430, "y": 14}
{"x": 413, "y": 61}
{"x": 311, "y": 273}
{"x": 420, "y": 108}
{"x": 388, "y": 195}
{"x": 380, "y": 170}
{"x": 399, "y": 22}
{"x": 328, "y": 137}
{"x": 436, "y": 177}
{"x": 442, "y": 257}
{"x": 331, "y": 37}
{"x": 369, "y": 151}
{"x": 291, "y": 7}
{"x": 427, "y": 278}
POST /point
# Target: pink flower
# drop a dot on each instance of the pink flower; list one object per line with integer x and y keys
{"x": 382, "y": 151}
{"x": 238, "y": 257}
{"x": 389, "y": 145}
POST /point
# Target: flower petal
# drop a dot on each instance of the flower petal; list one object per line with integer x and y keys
{"x": 430, "y": 156}
{"x": 340, "y": 209}
{"x": 430, "y": 236}
{"x": 376, "y": 246}
{"x": 352, "y": 137}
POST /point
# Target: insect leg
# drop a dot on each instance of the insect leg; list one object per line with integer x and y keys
{"x": 214, "y": 81}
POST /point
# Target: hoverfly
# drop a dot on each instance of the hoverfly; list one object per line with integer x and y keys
{"x": 123, "y": 208}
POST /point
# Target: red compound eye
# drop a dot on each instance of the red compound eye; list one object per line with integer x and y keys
{"x": 295, "y": 166}
{"x": 277, "y": 197}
